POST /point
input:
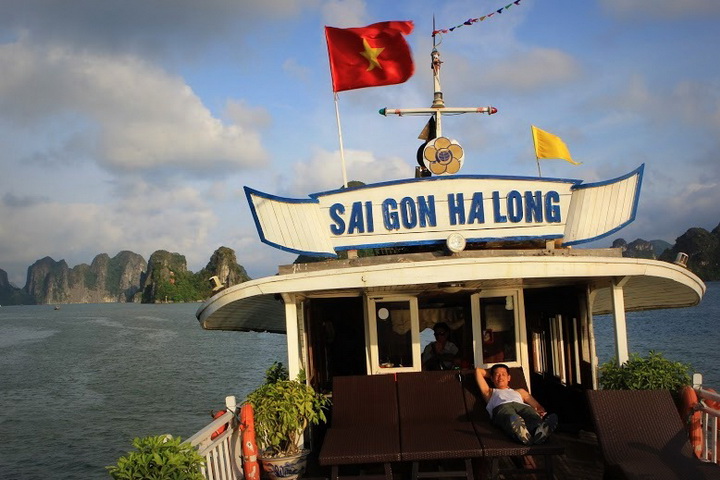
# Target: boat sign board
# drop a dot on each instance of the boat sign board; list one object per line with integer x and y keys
{"x": 428, "y": 210}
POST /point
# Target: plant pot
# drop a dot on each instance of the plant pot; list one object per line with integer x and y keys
{"x": 285, "y": 468}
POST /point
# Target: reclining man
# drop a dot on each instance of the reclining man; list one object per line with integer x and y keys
{"x": 515, "y": 411}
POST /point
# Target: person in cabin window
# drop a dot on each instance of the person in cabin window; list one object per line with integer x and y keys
{"x": 441, "y": 354}
{"x": 515, "y": 411}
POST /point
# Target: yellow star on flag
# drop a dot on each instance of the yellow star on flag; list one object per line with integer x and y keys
{"x": 371, "y": 54}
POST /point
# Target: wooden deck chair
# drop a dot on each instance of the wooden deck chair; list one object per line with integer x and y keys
{"x": 641, "y": 436}
{"x": 365, "y": 424}
{"x": 434, "y": 425}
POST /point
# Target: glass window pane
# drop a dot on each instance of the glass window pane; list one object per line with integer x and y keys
{"x": 393, "y": 333}
{"x": 497, "y": 319}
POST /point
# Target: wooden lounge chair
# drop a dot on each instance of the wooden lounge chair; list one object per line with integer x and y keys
{"x": 434, "y": 425}
{"x": 641, "y": 436}
{"x": 365, "y": 426}
{"x": 497, "y": 444}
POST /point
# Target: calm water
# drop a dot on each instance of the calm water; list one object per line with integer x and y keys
{"x": 78, "y": 384}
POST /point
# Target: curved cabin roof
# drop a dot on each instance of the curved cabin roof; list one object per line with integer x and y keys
{"x": 256, "y": 305}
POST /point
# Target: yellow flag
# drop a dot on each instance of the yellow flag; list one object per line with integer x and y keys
{"x": 548, "y": 145}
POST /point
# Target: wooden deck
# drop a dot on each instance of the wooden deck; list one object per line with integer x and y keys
{"x": 581, "y": 461}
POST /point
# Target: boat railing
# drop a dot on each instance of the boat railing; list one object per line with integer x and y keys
{"x": 222, "y": 450}
{"x": 709, "y": 421}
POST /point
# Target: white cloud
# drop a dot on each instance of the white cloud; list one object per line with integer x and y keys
{"x": 140, "y": 117}
{"x": 179, "y": 29}
{"x": 145, "y": 219}
{"x": 324, "y": 171}
{"x": 345, "y": 13}
{"x": 296, "y": 70}
{"x": 531, "y": 70}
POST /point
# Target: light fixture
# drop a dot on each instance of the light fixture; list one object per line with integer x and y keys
{"x": 455, "y": 242}
{"x": 681, "y": 259}
{"x": 451, "y": 287}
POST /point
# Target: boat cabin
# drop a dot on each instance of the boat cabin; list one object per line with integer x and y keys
{"x": 525, "y": 307}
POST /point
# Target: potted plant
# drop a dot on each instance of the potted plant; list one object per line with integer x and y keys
{"x": 283, "y": 409}
{"x": 159, "y": 457}
{"x": 645, "y": 373}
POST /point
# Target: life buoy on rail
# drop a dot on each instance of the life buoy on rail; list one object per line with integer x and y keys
{"x": 689, "y": 400}
{"x": 220, "y": 430}
{"x": 251, "y": 468}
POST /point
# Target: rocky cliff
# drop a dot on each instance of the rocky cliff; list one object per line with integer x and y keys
{"x": 126, "y": 277}
{"x": 701, "y": 246}
{"x": 12, "y": 295}
{"x": 640, "y": 248}
{"x": 703, "y": 250}
{"x": 166, "y": 272}
{"x": 106, "y": 279}
{"x": 223, "y": 264}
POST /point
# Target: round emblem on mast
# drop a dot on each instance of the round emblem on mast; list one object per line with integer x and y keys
{"x": 443, "y": 156}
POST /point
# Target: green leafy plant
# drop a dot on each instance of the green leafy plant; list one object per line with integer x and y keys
{"x": 159, "y": 457}
{"x": 283, "y": 409}
{"x": 645, "y": 373}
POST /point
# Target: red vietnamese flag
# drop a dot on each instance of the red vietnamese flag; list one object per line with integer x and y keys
{"x": 369, "y": 56}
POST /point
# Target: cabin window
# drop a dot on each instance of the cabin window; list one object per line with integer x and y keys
{"x": 450, "y": 313}
{"x": 538, "y": 352}
{"x": 557, "y": 346}
{"x": 393, "y": 334}
{"x": 563, "y": 360}
{"x": 499, "y": 327}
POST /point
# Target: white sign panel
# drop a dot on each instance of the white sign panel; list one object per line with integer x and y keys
{"x": 428, "y": 210}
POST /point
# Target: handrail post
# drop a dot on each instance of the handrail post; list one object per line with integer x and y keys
{"x": 697, "y": 380}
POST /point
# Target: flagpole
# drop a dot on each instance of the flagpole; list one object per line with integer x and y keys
{"x": 537, "y": 159}
{"x": 340, "y": 139}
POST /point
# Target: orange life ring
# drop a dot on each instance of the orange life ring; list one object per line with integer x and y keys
{"x": 692, "y": 417}
{"x": 220, "y": 430}
{"x": 251, "y": 468}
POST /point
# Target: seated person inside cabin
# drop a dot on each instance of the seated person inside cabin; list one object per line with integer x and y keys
{"x": 516, "y": 412}
{"x": 441, "y": 354}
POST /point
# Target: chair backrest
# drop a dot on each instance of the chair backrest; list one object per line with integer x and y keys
{"x": 639, "y": 425}
{"x": 364, "y": 400}
{"x": 430, "y": 397}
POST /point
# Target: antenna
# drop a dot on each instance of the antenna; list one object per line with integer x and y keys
{"x": 435, "y": 64}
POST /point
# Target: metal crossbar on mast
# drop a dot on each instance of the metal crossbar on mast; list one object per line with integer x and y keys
{"x": 438, "y": 108}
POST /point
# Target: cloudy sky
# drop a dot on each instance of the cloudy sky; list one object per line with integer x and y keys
{"x": 134, "y": 124}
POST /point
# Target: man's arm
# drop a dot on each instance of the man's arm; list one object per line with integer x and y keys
{"x": 482, "y": 383}
{"x": 530, "y": 400}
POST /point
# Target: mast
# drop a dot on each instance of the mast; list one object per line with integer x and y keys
{"x": 436, "y": 111}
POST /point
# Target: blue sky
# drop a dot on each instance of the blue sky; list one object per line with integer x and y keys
{"x": 134, "y": 125}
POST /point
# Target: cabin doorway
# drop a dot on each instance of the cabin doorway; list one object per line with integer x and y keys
{"x": 558, "y": 338}
{"x": 336, "y": 339}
